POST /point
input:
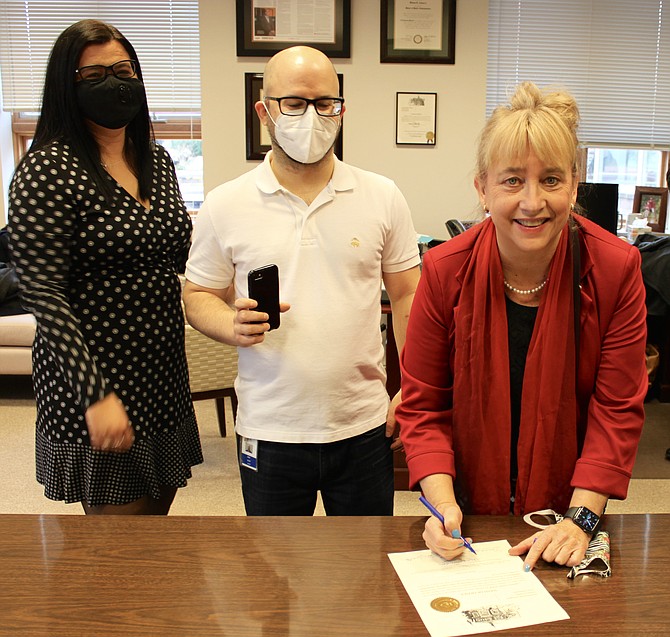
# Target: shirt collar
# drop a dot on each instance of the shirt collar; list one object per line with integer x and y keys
{"x": 266, "y": 181}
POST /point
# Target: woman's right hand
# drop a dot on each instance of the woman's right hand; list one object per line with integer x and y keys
{"x": 109, "y": 428}
{"x": 445, "y": 540}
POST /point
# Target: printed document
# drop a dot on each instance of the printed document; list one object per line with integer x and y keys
{"x": 474, "y": 593}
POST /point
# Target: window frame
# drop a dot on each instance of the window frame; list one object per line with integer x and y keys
{"x": 665, "y": 161}
{"x": 663, "y": 176}
{"x": 183, "y": 127}
{"x": 23, "y": 130}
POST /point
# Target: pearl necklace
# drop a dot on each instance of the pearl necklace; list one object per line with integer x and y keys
{"x": 526, "y": 292}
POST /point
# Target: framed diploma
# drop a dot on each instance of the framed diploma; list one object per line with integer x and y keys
{"x": 418, "y": 31}
{"x": 416, "y": 118}
{"x": 257, "y": 137}
{"x": 265, "y": 27}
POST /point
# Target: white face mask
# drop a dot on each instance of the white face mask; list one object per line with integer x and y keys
{"x": 306, "y": 138}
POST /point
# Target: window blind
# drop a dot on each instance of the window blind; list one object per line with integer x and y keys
{"x": 612, "y": 55}
{"x": 165, "y": 34}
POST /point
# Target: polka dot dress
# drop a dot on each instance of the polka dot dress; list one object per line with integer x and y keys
{"x": 102, "y": 283}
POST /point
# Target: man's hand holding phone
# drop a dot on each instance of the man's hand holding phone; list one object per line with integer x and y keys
{"x": 263, "y": 284}
{"x": 260, "y": 312}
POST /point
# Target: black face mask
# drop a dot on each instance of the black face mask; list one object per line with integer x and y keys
{"x": 112, "y": 103}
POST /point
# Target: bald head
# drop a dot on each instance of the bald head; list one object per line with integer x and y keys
{"x": 298, "y": 69}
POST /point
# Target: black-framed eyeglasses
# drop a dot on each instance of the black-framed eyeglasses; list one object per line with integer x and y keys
{"x": 123, "y": 69}
{"x": 295, "y": 106}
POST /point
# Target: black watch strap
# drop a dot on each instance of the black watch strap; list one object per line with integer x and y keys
{"x": 584, "y": 518}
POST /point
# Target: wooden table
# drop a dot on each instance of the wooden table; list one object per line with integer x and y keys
{"x": 318, "y": 577}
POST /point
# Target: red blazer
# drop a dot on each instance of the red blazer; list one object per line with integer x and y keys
{"x": 611, "y": 385}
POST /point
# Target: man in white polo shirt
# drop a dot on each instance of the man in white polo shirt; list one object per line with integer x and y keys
{"x": 313, "y": 411}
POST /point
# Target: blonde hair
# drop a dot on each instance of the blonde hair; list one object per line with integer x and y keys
{"x": 545, "y": 121}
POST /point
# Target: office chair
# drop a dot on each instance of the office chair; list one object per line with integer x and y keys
{"x": 212, "y": 369}
{"x": 454, "y": 227}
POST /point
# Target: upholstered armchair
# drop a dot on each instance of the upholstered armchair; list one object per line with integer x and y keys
{"x": 212, "y": 369}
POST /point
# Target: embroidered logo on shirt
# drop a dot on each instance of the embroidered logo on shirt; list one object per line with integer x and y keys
{"x": 355, "y": 243}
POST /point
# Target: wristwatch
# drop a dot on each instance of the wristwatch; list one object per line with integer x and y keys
{"x": 584, "y": 518}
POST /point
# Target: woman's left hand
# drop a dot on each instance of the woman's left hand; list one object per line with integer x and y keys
{"x": 563, "y": 543}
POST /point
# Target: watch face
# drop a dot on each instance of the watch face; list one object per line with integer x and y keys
{"x": 588, "y": 520}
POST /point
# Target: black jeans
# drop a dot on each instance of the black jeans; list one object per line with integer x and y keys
{"x": 355, "y": 477}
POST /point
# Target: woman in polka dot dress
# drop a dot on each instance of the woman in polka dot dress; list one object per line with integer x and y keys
{"x": 99, "y": 232}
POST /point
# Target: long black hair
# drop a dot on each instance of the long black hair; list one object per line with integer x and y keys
{"x": 61, "y": 120}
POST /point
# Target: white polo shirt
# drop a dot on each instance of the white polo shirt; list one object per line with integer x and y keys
{"x": 320, "y": 376}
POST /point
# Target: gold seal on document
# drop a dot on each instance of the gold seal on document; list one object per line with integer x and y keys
{"x": 445, "y": 604}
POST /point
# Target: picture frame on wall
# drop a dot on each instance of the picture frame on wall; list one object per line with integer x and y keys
{"x": 265, "y": 27}
{"x": 257, "y": 137}
{"x": 418, "y": 33}
{"x": 652, "y": 203}
{"x": 416, "y": 119}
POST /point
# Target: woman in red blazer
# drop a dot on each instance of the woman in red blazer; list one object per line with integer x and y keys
{"x": 507, "y": 407}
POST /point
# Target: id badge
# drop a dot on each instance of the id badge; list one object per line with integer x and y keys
{"x": 249, "y": 453}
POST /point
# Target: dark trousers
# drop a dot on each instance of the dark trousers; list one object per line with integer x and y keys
{"x": 355, "y": 477}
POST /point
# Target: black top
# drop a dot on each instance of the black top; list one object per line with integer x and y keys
{"x": 520, "y": 323}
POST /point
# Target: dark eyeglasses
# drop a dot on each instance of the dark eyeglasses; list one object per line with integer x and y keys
{"x": 96, "y": 72}
{"x": 295, "y": 106}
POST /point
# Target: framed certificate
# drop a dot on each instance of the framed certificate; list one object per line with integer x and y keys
{"x": 416, "y": 118}
{"x": 265, "y": 27}
{"x": 418, "y": 32}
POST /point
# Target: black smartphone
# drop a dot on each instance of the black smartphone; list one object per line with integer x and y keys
{"x": 263, "y": 286}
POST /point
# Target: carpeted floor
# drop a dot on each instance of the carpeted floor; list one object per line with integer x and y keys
{"x": 215, "y": 489}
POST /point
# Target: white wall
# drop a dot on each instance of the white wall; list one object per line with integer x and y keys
{"x": 436, "y": 180}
